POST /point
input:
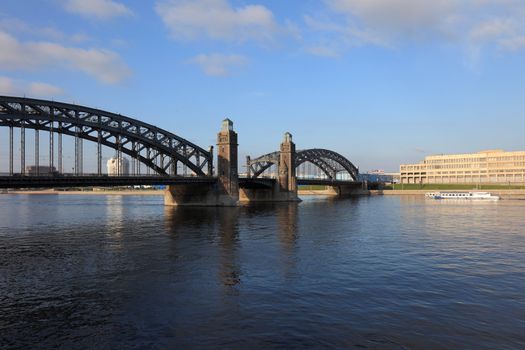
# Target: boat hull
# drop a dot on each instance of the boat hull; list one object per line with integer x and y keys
{"x": 483, "y": 196}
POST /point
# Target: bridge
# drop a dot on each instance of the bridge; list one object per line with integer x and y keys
{"x": 158, "y": 157}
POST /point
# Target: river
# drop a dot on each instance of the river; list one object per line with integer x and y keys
{"x": 392, "y": 272}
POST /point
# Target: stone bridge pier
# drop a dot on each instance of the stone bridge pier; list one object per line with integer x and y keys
{"x": 347, "y": 190}
{"x": 285, "y": 187}
{"x": 226, "y": 190}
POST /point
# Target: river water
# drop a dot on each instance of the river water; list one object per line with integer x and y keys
{"x": 119, "y": 272}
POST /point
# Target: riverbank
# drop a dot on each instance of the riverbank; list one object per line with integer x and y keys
{"x": 315, "y": 193}
{"x": 88, "y": 193}
{"x": 137, "y": 192}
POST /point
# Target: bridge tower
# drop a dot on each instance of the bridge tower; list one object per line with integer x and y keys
{"x": 287, "y": 178}
{"x": 284, "y": 189}
{"x": 224, "y": 192}
{"x": 227, "y": 167}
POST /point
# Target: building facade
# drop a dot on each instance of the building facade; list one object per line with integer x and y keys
{"x": 40, "y": 170}
{"x": 495, "y": 166}
{"x": 118, "y": 166}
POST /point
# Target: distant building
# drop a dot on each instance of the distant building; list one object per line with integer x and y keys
{"x": 379, "y": 176}
{"x": 118, "y": 166}
{"x": 495, "y": 166}
{"x": 40, "y": 170}
{"x": 395, "y": 177}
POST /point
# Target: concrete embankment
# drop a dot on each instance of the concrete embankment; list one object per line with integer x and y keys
{"x": 315, "y": 193}
{"x": 503, "y": 194}
{"x": 332, "y": 192}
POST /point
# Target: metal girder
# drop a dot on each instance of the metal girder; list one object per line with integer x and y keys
{"x": 326, "y": 182}
{"x": 327, "y": 168}
{"x": 259, "y": 165}
{"x": 330, "y": 162}
{"x": 117, "y": 132}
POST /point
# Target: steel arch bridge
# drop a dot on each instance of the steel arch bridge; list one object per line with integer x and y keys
{"x": 330, "y": 162}
{"x": 158, "y": 149}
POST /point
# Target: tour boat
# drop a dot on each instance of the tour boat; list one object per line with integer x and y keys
{"x": 462, "y": 195}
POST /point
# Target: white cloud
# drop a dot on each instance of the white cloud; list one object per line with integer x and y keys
{"x": 513, "y": 44}
{"x": 492, "y": 29}
{"x": 324, "y": 51}
{"x": 10, "y": 86}
{"x": 106, "y": 66}
{"x": 100, "y": 9}
{"x": 15, "y": 25}
{"x": 388, "y": 22}
{"x": 217, "y": 20}
{"x": 472, "y": 24}
{"x": 396, "y": 17}
{"x": 43, "y": 89}
{"x": 219, "y": 64}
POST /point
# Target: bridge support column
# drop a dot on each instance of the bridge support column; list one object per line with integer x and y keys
{"x": 225, "y": 192}
{"x": 227, "y": 166}
{"x": 347, "y": 190}
{"x": 287, "y": 180}
{"x": 285, "y": 188}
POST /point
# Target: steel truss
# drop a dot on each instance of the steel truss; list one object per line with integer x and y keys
{"x": 330, "y": 162}
{"x": 158, "y": 149}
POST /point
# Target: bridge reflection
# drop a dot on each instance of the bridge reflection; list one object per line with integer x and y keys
{"x": 225, "y": 235}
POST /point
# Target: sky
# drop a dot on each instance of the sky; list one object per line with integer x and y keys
{"x": 382, "y": 82}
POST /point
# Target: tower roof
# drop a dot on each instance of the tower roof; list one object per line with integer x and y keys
{"x": 227, "y": 124}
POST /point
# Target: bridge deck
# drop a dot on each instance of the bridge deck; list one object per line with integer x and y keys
{"x": 48, "y": 181}
{"x": 97, "y": 181}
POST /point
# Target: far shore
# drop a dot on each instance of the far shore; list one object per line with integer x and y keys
{"x": 89, "y": 193}
{"x": 128, "y": 192}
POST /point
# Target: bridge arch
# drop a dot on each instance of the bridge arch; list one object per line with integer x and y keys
{"x": 158, "y": 149}
{"x": 330, "y": 162}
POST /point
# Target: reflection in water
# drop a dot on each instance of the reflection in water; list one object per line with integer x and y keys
{"x": 177, "y": 219}
{"x": 287, "y": 226}
{"x": 287, "y": 217}
{"x": 114, "y": 216}
{"x": 229, "y": 270}
{"x": 224, "y": 222}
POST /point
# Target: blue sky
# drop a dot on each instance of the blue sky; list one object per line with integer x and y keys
{"x": 380, "y": 81}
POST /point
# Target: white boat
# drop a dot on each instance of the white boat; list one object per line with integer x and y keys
{"x": 462, "y": 195}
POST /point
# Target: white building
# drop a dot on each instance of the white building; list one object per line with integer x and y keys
{"x": 494, "y": 166}
{"x": 118, "y": 166}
